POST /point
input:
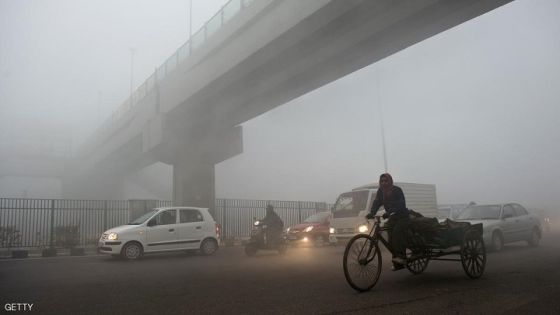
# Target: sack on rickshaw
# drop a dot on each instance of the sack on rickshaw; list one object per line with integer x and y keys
{"x": 453, "y": 232}
{"x": 445, "y": 234}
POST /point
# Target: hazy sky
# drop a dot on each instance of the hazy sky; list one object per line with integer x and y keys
{"x": 474, "y": 110}
{"x": 68, "y": 61}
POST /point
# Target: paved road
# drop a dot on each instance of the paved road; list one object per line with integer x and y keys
{"x": 518, "y": 280}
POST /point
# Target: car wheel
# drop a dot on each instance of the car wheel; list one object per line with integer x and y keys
{"x": 535, "y": 238}
{"x": 131, "y": 251}
{"x": 497, "y": 242}
{"x": 208, "y": 247}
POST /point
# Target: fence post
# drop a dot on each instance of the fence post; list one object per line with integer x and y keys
{"x": 224, "y": 209}
{"x": 51, "y": 241}
{"x": 105, "y": 216}
{"x": 299, "y": 211}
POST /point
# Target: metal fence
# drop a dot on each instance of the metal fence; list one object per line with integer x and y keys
{"x": 42, "y": 223}
{"x": 236, "y": 215}
{"x": 58, "y": 222}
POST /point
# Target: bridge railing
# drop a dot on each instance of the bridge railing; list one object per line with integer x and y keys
{"x": 221, "y": 18}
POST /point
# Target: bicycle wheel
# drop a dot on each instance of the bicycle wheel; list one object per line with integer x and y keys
{"x": 362, "y": 262}
{"x": 417, "y": 254}
{"x": 417, "y": 265}
{"x": 473, "y": 255}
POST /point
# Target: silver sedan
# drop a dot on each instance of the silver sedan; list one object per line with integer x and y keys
{"x": 504, "y": 223}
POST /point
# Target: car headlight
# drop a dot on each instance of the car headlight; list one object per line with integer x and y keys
{"x": 113, "y": 236}
{"x": 308, "y": 229}
{"x": 288, "y": 230}
{"x": 331, "y": 230}
{"x": 362, "y": 228}
{"x": 256, "y": 223}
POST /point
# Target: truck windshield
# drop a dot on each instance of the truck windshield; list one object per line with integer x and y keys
{"x": 350, "y": 204}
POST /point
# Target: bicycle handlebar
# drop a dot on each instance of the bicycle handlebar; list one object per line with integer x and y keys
{"x": 376, "y": 218}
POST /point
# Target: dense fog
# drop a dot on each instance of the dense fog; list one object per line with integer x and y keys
{"x": 473, "y": 110}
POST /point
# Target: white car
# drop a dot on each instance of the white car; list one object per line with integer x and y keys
{"x": 503, "y": 223}
{"x": 161, "y": 230}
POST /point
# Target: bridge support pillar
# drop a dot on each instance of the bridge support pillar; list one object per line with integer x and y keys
{"x": 194, "y": 166}
{"x": 193, "y": 183}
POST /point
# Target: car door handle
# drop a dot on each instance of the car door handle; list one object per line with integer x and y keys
{"x": 171, "y": 230}
{"x": 199, "y": 227}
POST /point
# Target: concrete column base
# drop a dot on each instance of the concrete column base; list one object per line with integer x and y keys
{"x": 193, "y": 184}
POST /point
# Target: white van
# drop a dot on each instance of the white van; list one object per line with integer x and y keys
{"x": 351, "y": 207}
{"x": 161, "y": 230}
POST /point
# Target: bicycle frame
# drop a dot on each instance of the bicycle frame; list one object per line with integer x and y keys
{"x": 376, "y": 236}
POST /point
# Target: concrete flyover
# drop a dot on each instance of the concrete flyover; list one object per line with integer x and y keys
{"x": 270, "y": 52}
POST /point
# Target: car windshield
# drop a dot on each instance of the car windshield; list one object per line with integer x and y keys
{"x": 480, "y": 213}
{"x": 143, "y": 218}
{"x": 317, "y": 218}
{"x": 350, "y": 204}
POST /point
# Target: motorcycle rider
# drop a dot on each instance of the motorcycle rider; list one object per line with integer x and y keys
{"x": 274, "y": 225}
{"x": 392, "y": 198}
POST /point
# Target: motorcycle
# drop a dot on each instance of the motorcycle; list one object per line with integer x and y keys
{"x": 260, "y": 241}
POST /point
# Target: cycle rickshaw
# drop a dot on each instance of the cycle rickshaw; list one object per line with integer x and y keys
{"x": 362, "y": 260}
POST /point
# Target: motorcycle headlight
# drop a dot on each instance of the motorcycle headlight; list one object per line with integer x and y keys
{"x": 363, "y": 228}
{"x": 308, "y": 229}
{"x": 113, "y": 236}
{"x": 288, "y": 230}
{"x": 256, "y": 223}
{"x": 331, "y": 230}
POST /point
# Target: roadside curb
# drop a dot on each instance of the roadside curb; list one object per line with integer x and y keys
{"x": 39, "y": 253}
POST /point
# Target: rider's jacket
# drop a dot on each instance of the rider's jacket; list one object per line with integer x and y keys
{"x": 272, "y": 220}
{"x": 393, "y": 201}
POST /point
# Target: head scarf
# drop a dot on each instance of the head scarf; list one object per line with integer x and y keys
{"x": 269, "y": 210}
{"x": 386, "y": 192}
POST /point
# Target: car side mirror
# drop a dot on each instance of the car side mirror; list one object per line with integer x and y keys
{"x": 152, "y": 222}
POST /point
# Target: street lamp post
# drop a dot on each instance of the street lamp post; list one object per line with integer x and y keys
{"x": 99, "y": 102}
{"x": 383, "y": 138}
{"x": 190, "y": 26}
{"x": 132, "y": 51}
{"x": 190, "y": 19}
{"x": 381, "y": 121}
